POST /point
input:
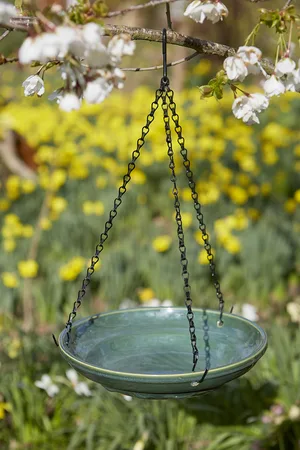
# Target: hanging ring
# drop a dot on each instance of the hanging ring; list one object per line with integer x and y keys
{"x": 165, "y": 79}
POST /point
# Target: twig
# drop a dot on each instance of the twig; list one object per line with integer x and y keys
{"x": 174, "y": 63}
{"x": 288, "y": 3}
{"x": 134, "y": 8}
{"x": 168, "y": 13}
{"x": 4, "y": 60}
{"x": 6, "y": 32}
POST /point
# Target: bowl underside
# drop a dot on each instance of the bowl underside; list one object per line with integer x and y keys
{"x": 147, "y": 353}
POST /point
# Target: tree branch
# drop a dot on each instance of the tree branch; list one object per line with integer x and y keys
{"x": 199, "y": 45}
{"x": 134, "y": 8}
{"x": 144, "y": 34}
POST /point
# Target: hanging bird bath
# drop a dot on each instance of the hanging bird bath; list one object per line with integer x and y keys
{"x": 146, "y": 352}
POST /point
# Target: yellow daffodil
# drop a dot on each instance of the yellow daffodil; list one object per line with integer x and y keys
{"x": 297, "y": 196}
{"x": 28, "y": 269}
{"x": 290, "y": 206}
{"x": 72, "y": 269}
{"x": 4, "y": 204}
{"x": 138, "y": 177}
{"x": 93, "y": 208}
{"x": 146, "y": 294}
{"x": 162, "y": 243}
{"x": 101, "y": 182}
{"x": 58, "y": 204}
{"x": 4, "y": 407}
{"x": 9, "y": 245}
{"x": 28, "y": 186}
{"x": 27, "y": 231}
{"x": 45, "y": 223}
{"x": 13, "y": 187}
{"x": 9, "y": 279}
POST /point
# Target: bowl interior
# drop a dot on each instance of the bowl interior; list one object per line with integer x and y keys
{"x": 155, "y": 341}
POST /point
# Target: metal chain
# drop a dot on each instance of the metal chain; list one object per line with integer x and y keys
{"x": 180, "y": 234}
{"x": 113, "y": 213}
{"x": 197, "y": 206}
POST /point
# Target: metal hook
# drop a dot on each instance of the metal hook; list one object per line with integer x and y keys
{"x": 164, "y": 52}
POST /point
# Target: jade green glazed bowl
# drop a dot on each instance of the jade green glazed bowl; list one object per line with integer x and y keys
{"x": 147, "y": 353}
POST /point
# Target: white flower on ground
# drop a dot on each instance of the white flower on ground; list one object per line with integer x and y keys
{"x": 154, "y": 303}
{"x": 48, "y": 386}
{"x": 284, "y": 66}
{"x": 235, "y": 68}
{"x": 250, "y": 55}
{"x": 7, "y": 12}
{"x": 119, "y": 46}
{"x": 33, "y": 85}
{"x": 96, "y": 91}
{"x": 249, "y": 312}
{"x": 80, "y": 387}
{"x": 246, "y": 107}
{"x": 273, "y": 86}
{"x": 213, "y": 11}
{"x": 69, "y": 102}
{"x": 293, "y": 309}
{"x": 294, "y": 412}
{"x": 128, "y": 398}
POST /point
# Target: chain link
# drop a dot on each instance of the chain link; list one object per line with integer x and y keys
{"x": 113, "y": 213}
{"x": 180, "y": 234}
{"x": 197, "y": 206}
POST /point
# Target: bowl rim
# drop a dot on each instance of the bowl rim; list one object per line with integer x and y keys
{"x": 187, "y": 375}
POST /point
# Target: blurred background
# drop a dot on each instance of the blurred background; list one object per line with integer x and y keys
{"x": 59, "y": 175}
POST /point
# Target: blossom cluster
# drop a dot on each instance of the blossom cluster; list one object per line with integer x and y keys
{"x": 88, "y": 68}
{"x": 248, "y": 61}
{"x": 200, "y": 10}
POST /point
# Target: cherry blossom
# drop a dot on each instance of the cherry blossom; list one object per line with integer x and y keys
{"x": 246, "y": 107}
{"x": 69, "y": 102}
{"x": 273, "y": 86}
{"x": 98, "y": 90}
{"x": 245, "y": 62}
{"x": 33, "y": 85}
{"x": 211, "y": 10}
{"x": 120, "y": 46}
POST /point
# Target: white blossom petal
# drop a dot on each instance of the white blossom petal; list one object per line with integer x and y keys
{"x": 284, "y": 66}
{"x": 250, "y": 55}
{"x": 235, "y": 68}
{"x": 273, "y": 86}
